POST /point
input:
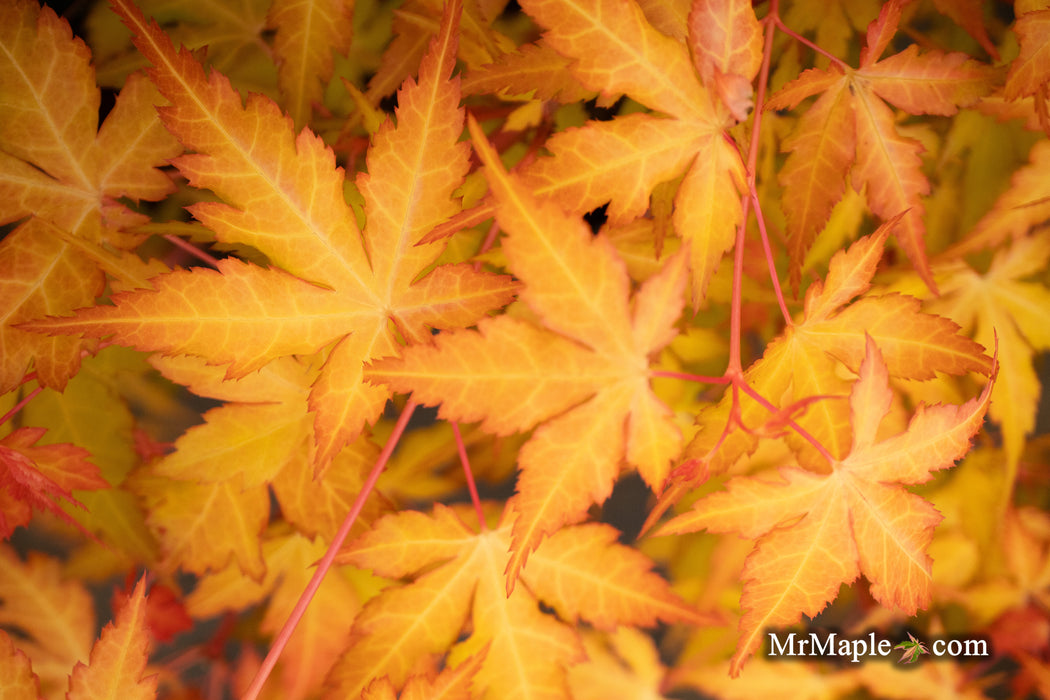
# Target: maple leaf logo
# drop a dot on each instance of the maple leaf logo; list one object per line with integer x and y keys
{"x": 911, "y": 650}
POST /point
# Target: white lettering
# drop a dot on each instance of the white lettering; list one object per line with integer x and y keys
{"x": 827, "y": 649}
{"x": 977, "y": 647}
{"x": 778, "y": 649}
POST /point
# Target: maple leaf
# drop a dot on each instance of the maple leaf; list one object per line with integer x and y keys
{"x": 833, "y": 23}
{"x": 260, "y": 438}
{"x": 321, "y": 635}
{"x": 912, "y": 649}
{"x": 64, "y": 176}
{"x": 815, "y": 532}
{"x": 55, "y": 617}
{"x": 800, "y": 368}
{"x": 229, "y": 37}
{"x": 1029, "y": 73}
{"x": 1022, "y": 207}
{"x": 450, "y": 684}
{"x": 583, "y": 373}
{"x": 306, "y": 34}
{"x": 626, "y": 666}
{"x": 413, "y": 27}
{"x": 40, "y": 477}
{"x": 337, "y": 289}
{"x": 614, "y": 49}
{"x": 17, "y": 680}
{"x": 1001, "y": 303}
{"x": 534, "y": 69}
{"x": 456, "y": 578}
{"x": 850, "y": 129}
{"x": 118, "y": 659}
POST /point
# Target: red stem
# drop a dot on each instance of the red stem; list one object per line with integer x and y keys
{"x": 769, "y": 260}
{"x": 803, "y": 433}
{"x": 281, "y": 640}
{"x": 465, "y": 461}
{"x": 734, "y": 368}
{"x": 20, "y": 405}
{"x": 192, "y": 250}
{"x": 803, "y": 40}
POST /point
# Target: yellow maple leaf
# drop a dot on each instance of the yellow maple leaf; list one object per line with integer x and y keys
{"x": 450, "y": 684}
{"x": 799, "y": 373}
{"x": 614, "y": 49}
{"x": 851, "y": 129}
{"x": 1004, "y": 304}
{"x": 306, "y": 35}
{"x": 64, "y": 176}
{"x": 323, "y": 631}
{"x": 583, "y": 374}
{"x": 118, "y": 659}
{"x": 348, "y": 293}
{"x": 456, "y": 576}
{"x": 17, "y": 680}
{"x": 56, "y": 615}
{"x": 815, "y": 532}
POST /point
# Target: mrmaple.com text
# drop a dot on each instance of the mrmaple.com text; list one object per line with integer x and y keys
{"x": 831, "y": 645}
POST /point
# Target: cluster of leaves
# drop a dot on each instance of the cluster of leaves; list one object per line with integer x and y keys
{"x": 340, "y": 266}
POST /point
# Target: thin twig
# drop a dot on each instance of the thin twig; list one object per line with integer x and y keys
{"x": 281, "y": 640}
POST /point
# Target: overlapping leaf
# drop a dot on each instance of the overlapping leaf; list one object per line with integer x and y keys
{"x": 802, "y": 365}
{"x": 307, "y": 32}
{"x": 17, "y": 681}
{"x": 336, "y": 290}
{"x": 850, "y": 129}
{"x": 1030, "y": 72}
{"x": 40, "y": 477}
{"x": 1003, "y": 304}
{"x": 583, "y": 374}
{"x": 815, "y": 532}
{"x": 209, "y": 500}
{"x": 55, "y": 617}
{"x": 117, "y": 666}
{"x": 66, "y": 175}
{"x": 613, "y": 50}
{"x": 457, "y": 583}
{"x": 324, "y": 630}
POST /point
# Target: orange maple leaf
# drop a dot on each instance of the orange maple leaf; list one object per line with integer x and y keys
{"x": 54, "y": 615}
{"x": 17, "y": 680}
{"x": 801, "y": 368}
{"x": 456, "y": 577}
{"x": 583, "y": 373}
{"x": 260, "y": 439}
{"x": 323, "y": 632}
{"x": 118, "y": 659}
{"x": 1030, "y": 72}
{"x": 40, "y": 477}
{"x": 815, "y": 532}
{"x": 613, "y": 49}
{"x": 338, "y": 290}
{"x": 64, "y": 176}
{"x": 851, "y": 129}
{"x": 450, "y": 684}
